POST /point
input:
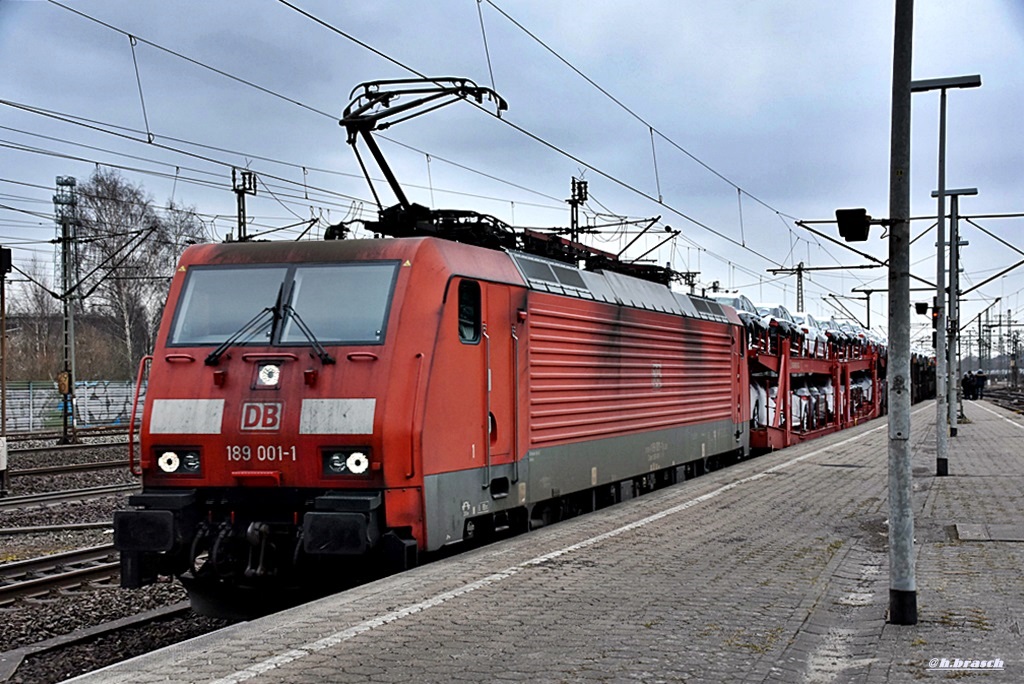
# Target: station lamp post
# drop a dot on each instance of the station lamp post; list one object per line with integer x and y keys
{"x": 854, "y": 226}
{"x": 941, "y": 365}
{"x": 953, "y": 315}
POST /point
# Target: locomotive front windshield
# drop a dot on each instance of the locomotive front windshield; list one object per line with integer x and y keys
{"x": 339, "y": 303}
{"x": 346, "y": 303}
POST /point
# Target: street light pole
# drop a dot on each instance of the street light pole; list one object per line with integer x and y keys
{"x": 902, "y": 580}
{"x": 953, "y": 307}
{"x": 941, "y": 362}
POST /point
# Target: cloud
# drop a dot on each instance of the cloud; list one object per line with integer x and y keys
{"x": 789, "y": 99}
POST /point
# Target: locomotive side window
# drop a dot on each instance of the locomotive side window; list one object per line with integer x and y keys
{"x": 341, "y": 302}
{"x": 469, "y": 311}
{"x": 216, "y": 302}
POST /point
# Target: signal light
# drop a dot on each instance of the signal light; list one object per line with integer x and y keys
{"x": 853, "y": 224}
{"x": 935, "y": 313}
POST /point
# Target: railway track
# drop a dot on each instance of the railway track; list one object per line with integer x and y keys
{"x": 67, "y": 527}
{"x": 1006, "y": 397}
{"x": 42, "y": 575}
{"x": 64, "y": 448}
{"x": 30, "y": 500}
{"x": 104, "y": 431}
{"x": 67, "y": 468}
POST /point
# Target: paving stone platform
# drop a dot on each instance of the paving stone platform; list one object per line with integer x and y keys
{"x": 773, "y": 570}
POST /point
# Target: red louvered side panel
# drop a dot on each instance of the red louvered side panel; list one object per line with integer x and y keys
{"x": 598, "y": 370}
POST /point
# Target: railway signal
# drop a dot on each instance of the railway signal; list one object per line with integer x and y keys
{"x": 853, "y": 224}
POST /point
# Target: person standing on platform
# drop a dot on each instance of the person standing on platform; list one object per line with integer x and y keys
{"x": 967, "y": 383}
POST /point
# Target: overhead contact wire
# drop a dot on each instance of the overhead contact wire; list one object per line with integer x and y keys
{"x": 532, "y": 136}
{"x": 291, "y": 100}
{"x": 261, "y": 88}
{"x": 627, "y": 109}
{"x": 421, "y": 75}
{"x": 196, "y": 62}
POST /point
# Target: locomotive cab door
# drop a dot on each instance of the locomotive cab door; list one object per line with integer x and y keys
{"x": 485, "y": 328}
{"x": 499, "y": 350}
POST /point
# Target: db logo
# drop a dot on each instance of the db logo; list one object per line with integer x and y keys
{"x": 261, "y": 416}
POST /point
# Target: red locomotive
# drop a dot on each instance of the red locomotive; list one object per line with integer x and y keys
{"x": 312, "y": 405}
{"x": 318, "y": 408}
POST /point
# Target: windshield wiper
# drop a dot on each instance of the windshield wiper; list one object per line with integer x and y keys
{"x": 325, "y": 358}
{"x": 255, "y": 325}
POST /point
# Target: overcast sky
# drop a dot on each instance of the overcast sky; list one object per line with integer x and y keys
{"x": 760, "y": 112}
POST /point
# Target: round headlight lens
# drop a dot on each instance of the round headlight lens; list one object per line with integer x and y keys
{"x": 269, "y": 375}
{"x": 357, "y": 463}
{"x": 168, "y": 461}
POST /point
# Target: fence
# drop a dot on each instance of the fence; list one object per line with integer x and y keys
{"x": 34, "y": 406}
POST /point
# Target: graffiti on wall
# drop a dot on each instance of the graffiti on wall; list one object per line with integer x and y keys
{"x": 33, "y": 406}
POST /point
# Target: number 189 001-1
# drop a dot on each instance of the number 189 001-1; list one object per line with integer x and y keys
{"x": 264, "y": 453}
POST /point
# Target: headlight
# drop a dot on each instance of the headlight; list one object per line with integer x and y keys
{"x": 357, "y": 463}
{"x": 268, "y": 375}
{"x": 179, "y": 462}
{"x": 346, "y": 461}
{"x": 168, "y": 461}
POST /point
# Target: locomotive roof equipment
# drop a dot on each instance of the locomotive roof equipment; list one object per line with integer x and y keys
{"x": 375, "y": 101}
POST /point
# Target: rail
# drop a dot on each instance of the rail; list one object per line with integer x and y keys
{"x": 66, "y": 527}
{"x": 45, "y": 498}
{"x": 1006, "y": 397}
{"x": 38, "y": 576}
{"x": 85, "y": 432}
{"x": 66, "y": 468}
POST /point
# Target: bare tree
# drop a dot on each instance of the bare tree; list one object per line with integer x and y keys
{"x": 181, "y": 227}
{"x": 34, "y": 328}
{"x": 36, "y": 334}
{"x": 126, "y": 255}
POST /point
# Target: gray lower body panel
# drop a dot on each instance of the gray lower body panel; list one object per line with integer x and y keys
{"x": 559, "y": 470}
{"x": 452, "y": 498}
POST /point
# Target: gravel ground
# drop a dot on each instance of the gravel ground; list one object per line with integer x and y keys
{"x": 30, "y": 621}
{"x": 35, "y": 484}
{"x": 17, "y": 547}
{"x": 22, "y": 546}
{"x": 47, "y": 668}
